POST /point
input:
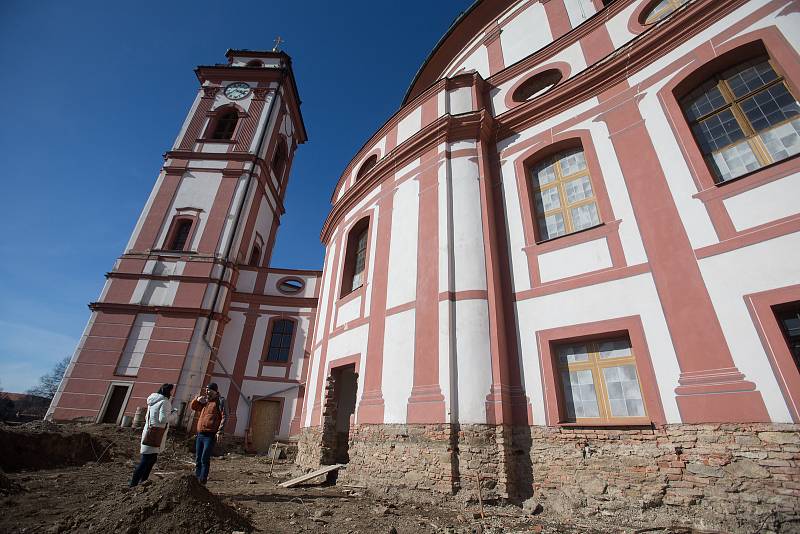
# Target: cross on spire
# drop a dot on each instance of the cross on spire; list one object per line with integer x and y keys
{"x": 278, "y": 42}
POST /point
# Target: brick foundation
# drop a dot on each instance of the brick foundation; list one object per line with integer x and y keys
{"x": 727, "y": 476}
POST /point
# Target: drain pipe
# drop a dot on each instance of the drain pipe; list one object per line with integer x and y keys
{"x": 234, "y": 232}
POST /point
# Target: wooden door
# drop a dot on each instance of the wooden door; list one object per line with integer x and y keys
{"x": 264, "y": 423}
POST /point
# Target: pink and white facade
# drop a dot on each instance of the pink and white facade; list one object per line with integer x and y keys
{"x": 193, "y": 298}
{"x": 498, "y": 289}
{"x": 583, "y": 222}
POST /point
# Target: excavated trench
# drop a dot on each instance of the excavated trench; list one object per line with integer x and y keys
{"x": 25, "y": 450}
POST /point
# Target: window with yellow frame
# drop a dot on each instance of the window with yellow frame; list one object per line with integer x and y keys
{"x": 662, "y": 10}
{"x": 599, "y": 381}
{"x": 563, "y": 197}
{"x": 743, "y": 119}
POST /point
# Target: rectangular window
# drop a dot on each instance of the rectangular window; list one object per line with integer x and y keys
{"x": 599, "y": 381}
{"x": 280, "y": 341}
{"x": 789, "y": 319}
{"x": 563, "y": 197}
{"x": 360, "y": 261}
{"x": 743, "y": 119}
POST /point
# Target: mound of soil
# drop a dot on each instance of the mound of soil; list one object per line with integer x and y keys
{"x": 28, "y": 448}
{"x": 8, "y": 486}
{"x": 176, "y": 504}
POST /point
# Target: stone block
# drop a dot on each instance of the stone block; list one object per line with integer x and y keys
{"x": 746, "y": 469}
{"x": 780, "y": 438}
{"x": 705, "y": 470}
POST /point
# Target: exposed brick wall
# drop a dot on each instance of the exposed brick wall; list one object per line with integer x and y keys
{"x": 739, "y": 473}
{"x": 728, "y": 476}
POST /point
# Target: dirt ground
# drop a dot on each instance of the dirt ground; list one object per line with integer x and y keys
{"x": 58, "y": 489}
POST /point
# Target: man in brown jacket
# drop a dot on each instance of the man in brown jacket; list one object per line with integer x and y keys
{"x": 210, "y": 424}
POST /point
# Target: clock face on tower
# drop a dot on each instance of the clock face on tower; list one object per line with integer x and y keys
{"x": 237, "y": 91}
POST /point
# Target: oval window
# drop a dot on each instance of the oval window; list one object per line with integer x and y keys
{"x": 661, "y": 10}
{"x": 290, "y": 285}
{"x": 536, "y": 85}
{"x": 367, "y": 166}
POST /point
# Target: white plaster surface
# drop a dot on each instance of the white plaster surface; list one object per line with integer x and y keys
{"x": 520, "y": 278}
{"x": 766, "y": 203}
{"x": 229, "y": 346}
{"x": 618, "y": 26}
{"x": 768, "y": 265}
{"x": 460, "y": 100}
{"x": 574, "y": 260}
{"x": 246, "y": 281}
{"x": 474, "y": 359}
{"x": 517, "y": 38}
{"x": 135, "y": 347}
{"x": 402, "y": 272}
{"x": 410, "y": 125}
{"x": 398, "y": 365}
{"x": 348, "y": 311}
{"x": 477, "y": 61}
{"x": 579, "y": 10}
{"x": 468, "y": 256}
{"x": 620, "y": 298}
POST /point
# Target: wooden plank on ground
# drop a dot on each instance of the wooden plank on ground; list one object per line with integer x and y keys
{"x": 309, "y": 476}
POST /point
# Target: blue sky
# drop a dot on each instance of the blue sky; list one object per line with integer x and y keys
{"x": 95, "y": 92}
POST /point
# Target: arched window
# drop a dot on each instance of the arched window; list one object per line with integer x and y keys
{"x": 178, "y": 235}
{"x": 279, "y": 159}
{"x": 280, "y": 341}
{"x": 225, "y": 124}
{"x": 744, "y": 118}
{"x": 536, "y": 85}
{"x": 367, "y": 166}
{"x": 661, "y": 10}
{"x": 563, "y": 198}
{"x": 255, "y": 256}
{"x": 355, "y": 257}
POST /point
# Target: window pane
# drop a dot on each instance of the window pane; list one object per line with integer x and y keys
{"x": 571, "y": 162}
{"x": 552, "y": 226}
{"x": 616, "y": 348}
{"x": 735, "y": 161}
{"x": 580, "y": 396}
{"x": 624, "y": 394}
{"x": 573, "y": 353}
{"x": 718, "y": 131}
{"x": 704, "y": 100}
{"x": 748, "y": 77}
{"x": 578, "y": 189}
{"x": 584, "y": 216}
{"x": 783, "y": 141}
{"x": 547, "y": 200}
{"x": 769, "y": 107}
{"x": 544, "y": 173}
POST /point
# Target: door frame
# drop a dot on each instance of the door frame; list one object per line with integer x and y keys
{"x": 107, "y": 399}
{"x": 255, "y": 398}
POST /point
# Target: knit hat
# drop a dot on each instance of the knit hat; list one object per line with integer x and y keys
{"x": 213, "y": 385}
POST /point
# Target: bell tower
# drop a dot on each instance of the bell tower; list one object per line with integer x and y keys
{"x": 216, "y": 206}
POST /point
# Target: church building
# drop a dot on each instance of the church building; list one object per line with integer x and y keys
{"x": 569, "y": 258}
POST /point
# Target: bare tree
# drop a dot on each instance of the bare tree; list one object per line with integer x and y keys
{"x": 48, "y": 383}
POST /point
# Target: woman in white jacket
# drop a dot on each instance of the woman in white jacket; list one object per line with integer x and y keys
{"x": 159, "y": 413}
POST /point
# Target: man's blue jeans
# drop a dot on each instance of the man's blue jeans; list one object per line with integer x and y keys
{"x": 204, "y": 445}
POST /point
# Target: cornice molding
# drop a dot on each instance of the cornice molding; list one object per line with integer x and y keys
{"x": 641, "y": 51}
{"x": 445, "y": 129}
{"x": 629, "y": 59}
{"x": 162, "y": 310}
